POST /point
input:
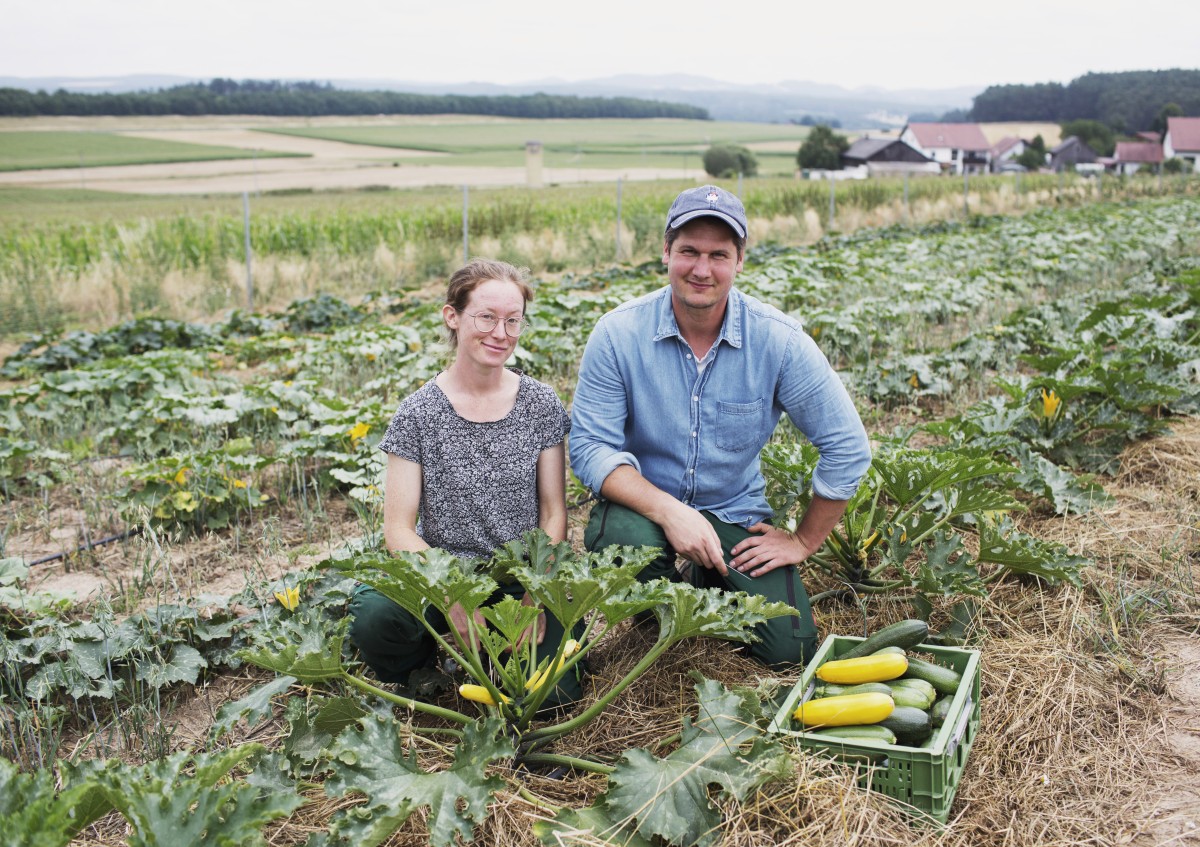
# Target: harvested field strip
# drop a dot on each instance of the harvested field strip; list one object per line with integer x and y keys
{"x": 24, "y": 150}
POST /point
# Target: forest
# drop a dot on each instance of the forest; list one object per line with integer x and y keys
{"x": 312, "y": 99}
{"x": 1127, "y": 102}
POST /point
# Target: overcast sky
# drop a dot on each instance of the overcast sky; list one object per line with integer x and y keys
{"x": 861, "y": 43}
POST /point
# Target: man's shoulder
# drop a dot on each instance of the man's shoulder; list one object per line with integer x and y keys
{"x": 757, "y": 311}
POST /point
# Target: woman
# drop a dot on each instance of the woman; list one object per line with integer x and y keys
{"x": 475, "y": 459}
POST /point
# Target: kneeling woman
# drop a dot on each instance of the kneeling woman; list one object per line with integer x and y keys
{"x": 475, "y": 459}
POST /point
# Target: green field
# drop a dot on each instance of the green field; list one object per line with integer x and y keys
{"x": 26, "y": 150}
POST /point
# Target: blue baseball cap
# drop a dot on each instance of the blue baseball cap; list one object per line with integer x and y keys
{"x": 708, "y": 200}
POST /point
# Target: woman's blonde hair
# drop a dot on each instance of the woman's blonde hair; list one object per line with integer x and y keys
{"x": 474, "y": 274}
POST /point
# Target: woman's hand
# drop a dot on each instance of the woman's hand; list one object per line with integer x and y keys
{"x": 538, "y": 627}
{"x": 458, "y": 620}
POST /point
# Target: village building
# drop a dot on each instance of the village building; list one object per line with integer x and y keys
{"x": 959, "y": 148}
{"x": 1070, "y": 154}
{"x": 1006, "y": 151}
{"x": 1182, "y": 140}
{"x": 1131, "y": 156}
{"x": 883, "y": 156}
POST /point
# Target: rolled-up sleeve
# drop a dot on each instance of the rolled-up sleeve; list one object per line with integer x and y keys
{"x": 598, "y": 414}
{"x": 818, "y": 403}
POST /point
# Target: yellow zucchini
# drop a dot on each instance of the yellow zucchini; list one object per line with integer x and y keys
{"x": 878, "y": 667}
{"x": 569, "y": 650}
{"x": 845, "y": 710}
{"x": 479, "y": 694}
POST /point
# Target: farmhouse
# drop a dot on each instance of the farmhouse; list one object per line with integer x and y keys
{"x": 1071, "y": 153}
{"x": 956, "y": 147}
{"x": 1182, "y": 140}
{"x": 878, "y": 156}
{"x": 1132, "y": 156}
{"x": 1007, "y": 149}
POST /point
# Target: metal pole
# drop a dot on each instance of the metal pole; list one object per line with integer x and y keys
{"x": 466, "y": 243}
{"x": 82, "y": 183}
{"x": 907, "y": 210}
{"x": 966, "y": 187}
{"x": 618, "y": 219}
{"x": 739, "y": 191}
{"x": 246, "y": 228}
{"x": 832, "y": 203}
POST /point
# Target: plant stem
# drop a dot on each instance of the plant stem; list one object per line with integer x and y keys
{"x": 529, "y": 797}
{"x": 428, "y": 708}
{"x": 599, "y": 706}
{"x": 566, "y": 761}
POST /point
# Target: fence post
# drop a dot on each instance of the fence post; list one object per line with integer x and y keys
{"x": 832, "y": 202}
{"x": 907, "y": 210}
{"x": 966, "y": 187}
{"x": 618, "y": 219}
{"x": 246, "y": 227}
{"x": 466, "y": 218}
{"x": 739, "y": 191}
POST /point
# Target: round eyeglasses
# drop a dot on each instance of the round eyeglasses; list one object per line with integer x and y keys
{"x": 486, "y": 322}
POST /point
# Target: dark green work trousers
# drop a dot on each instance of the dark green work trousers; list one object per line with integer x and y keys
{"x": 781, "y": 641}
{"x": 394, "y": 643}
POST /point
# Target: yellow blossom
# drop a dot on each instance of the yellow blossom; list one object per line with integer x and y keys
{"x": 1050, "y": 404}
{"x": 287, "y": 383}
{"x": 237, "y": 483}
{"x": 914, "y": 382}
{"x": 358, "y": 431}
{"x": 816, "y": 330}
{"x": 370, "y": 357}
{"x": 181, "y": 476}
{"x": 289, "y": 598}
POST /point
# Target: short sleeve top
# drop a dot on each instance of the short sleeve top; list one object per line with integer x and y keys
{"x": 479, "y": 479}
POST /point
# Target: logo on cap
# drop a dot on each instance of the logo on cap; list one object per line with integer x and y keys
{"x": 712, "y": 197}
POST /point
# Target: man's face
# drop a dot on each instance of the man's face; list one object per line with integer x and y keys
{"x": 701, "y": 265}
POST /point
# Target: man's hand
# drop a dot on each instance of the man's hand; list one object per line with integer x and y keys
{"x": 458, "y": 620}
{"x": 772, "y": 548}
{"x": 694, "y": 538}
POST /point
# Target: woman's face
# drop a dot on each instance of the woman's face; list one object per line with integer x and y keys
{"x": 498, "y": 299}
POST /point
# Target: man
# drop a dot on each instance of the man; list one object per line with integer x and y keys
{"x": 679, "y": 390}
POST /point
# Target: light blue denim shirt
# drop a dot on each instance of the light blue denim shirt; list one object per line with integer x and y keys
{"x": 697, "y": 435}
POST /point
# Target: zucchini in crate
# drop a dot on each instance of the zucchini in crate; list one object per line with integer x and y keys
{"x": 943, "y": 679}
{"x": 863, "y": 732}
{"x": 904, "y": 634}
{"x": 911, "y": 725}
{"x": 845, "y": 710}
{"x": 876, "y": 668}
{"x": 829, "y": 689}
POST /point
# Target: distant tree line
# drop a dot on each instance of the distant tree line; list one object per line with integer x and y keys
{"x": 1127, "y": 102}
{"x": 311, "y": 99}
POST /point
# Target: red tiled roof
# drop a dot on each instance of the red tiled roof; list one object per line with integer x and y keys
{"x": 1185, "y": 134}
{"x": 1005, "y": 144}
{"x": 1139, "y": 151}
{"x": 958, "y": 136}
{"x": 1149, "y": 136}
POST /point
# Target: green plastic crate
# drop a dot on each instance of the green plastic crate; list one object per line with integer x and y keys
{"x": 924, "y": 779}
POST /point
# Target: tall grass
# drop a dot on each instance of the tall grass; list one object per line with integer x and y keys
{"x": 105, "y": 266}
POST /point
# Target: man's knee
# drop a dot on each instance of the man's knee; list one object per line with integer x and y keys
{"x": 612, "y": 524}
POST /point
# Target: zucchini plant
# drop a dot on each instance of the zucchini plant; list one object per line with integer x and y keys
{"x": 904, "y": 529}
{"x": 590, "y": 594}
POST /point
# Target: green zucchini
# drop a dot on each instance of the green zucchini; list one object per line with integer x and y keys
{"x": 904, "y": 634}
{"x": 883, "y": 651}
{"x": 867, "y": 732}
{"x": 911, "y": 725}
{"x": 919, "y": 684}
{"x": 905, "y": 695}
{"x": 830, "y": 689}
{"x": 941, "y": 710}
{"x": 943, "y": 679}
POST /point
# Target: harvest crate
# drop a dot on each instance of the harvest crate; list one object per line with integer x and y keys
{"x": 922, "y": 778}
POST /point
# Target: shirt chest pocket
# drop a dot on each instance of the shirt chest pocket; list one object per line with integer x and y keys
{"x": 738, "y": 425}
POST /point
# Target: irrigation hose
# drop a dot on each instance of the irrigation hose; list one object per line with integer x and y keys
{"x": 83, "y": 548}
